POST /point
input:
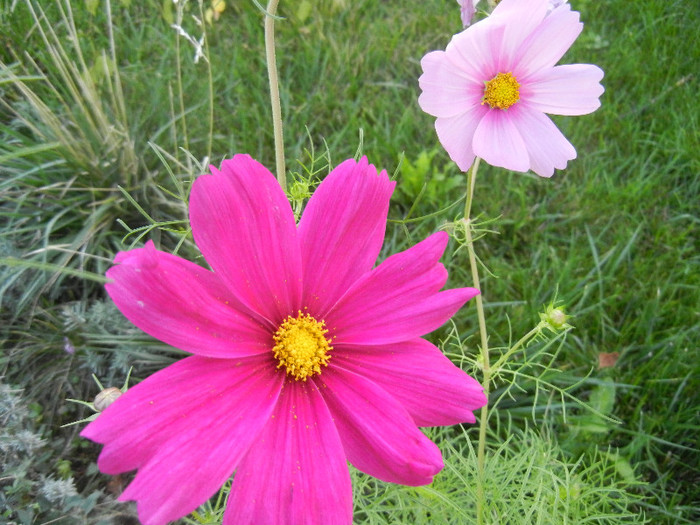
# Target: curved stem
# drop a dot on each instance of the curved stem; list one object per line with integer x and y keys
{"x": 481, "y": 451}
{"x": 275, "y": 92}
{"x": 521, "y": 342}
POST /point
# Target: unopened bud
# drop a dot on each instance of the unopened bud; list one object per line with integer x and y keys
{"x": 106, "y": 398}
{"x": 558, "y": 318}
{"x": 555, "y": 318}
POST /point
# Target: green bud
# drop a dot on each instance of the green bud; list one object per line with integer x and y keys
{"x": 555, "y": 318}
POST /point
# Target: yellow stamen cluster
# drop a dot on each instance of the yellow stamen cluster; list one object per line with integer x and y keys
{"x": 301, "y": 346}
{"x": 502, "y": 91}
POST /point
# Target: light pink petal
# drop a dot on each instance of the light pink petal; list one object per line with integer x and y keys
{"x": 416, "y": 373}
{"x": 446, "y": 89}
{"x": 183, "y": 305}
{"x": 342, "y": 230}
{"x": 185, "y": 428}
{"x": 377, "y": 432}
{"x": 456, "y": 135}
{"x": 398, "y": 300}
{"x": 499, "y": 141}
{"x": 244, "y": 225}
{"x": 548, "y": 43}
{"x": 546, "y": 146}
{"x": 519, "y": 18}
{"x": 296, "y": 472}
{"x": 477, "y": 51}
{"x": 565, "y": 90}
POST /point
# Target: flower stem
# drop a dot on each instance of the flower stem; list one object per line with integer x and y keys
{"x": 481, "y": 451}
{"x": 524, "y": 339}
{"x": 210, "y": 78}
{"x": 180, "y": 90}
{"x": 275, "y": 92}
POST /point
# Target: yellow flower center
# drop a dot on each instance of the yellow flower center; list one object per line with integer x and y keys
{"x": 501, "y": 91}
{"x": 301, "y": 346}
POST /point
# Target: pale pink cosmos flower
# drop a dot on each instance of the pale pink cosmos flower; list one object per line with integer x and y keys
{"x": 305, "y": 354}
{"x": 491, "y": 87}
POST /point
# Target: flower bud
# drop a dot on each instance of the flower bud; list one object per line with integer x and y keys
{"x": 555, "y": 318}
{"x": 106, "y": 398}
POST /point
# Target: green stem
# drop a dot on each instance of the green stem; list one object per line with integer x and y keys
{"x": 481, "y": 451}
{"x": 210, "y": 78}
{"x": 471, "y": 181}
{"x": 180, "y": 91}
{"x": 524, "y": 339}
{"x": 275, "y": 92}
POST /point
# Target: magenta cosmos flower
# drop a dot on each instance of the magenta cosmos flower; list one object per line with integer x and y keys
{"x": 305, "y": 355}
{"x": 491, "y": 87}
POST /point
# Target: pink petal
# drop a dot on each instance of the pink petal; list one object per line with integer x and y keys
{"x": 447, "y": 90}
{"x": 565, "y": 90}
{"x": 296, "y": 472}
{"x": 182, "y": 304}
{"x": 499, "y": 141}
{"x": 377, "y": 432}
{"x": 477, "y": 51}
{"x": 547, "y": 43}
{"x": 244, "y": 225}
{"x": 519, "y": 18}
{"x": 456, "y": 135}
{"x": 416, "y": 373}
{"x": 398, "y": 300}
{"x": 546, "y": 146}
{"x": 185, "y": 428}
{"x": 342, "y": 230}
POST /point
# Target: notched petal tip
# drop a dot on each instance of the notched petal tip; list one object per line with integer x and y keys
{"x": 237, "y": 160}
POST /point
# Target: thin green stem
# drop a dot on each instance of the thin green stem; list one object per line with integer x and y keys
{"x": 275, "y": 92}
{"x": 180, "y": 91}
{"x": 471, "y": 181}
{"x": 481, "y": 451}
{"x": 524, "y": 339}
{"x": 210, "y": 79}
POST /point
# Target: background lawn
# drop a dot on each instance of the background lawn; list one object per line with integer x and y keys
{"x": 103, "y": 139}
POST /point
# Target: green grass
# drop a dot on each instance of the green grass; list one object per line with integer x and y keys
{"x": 90, "y": 135}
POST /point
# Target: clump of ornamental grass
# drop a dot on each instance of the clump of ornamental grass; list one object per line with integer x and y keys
{"x": 70, "y": 161}
{"x": 65, "y": 106}
{"x": 68, "y": 148}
